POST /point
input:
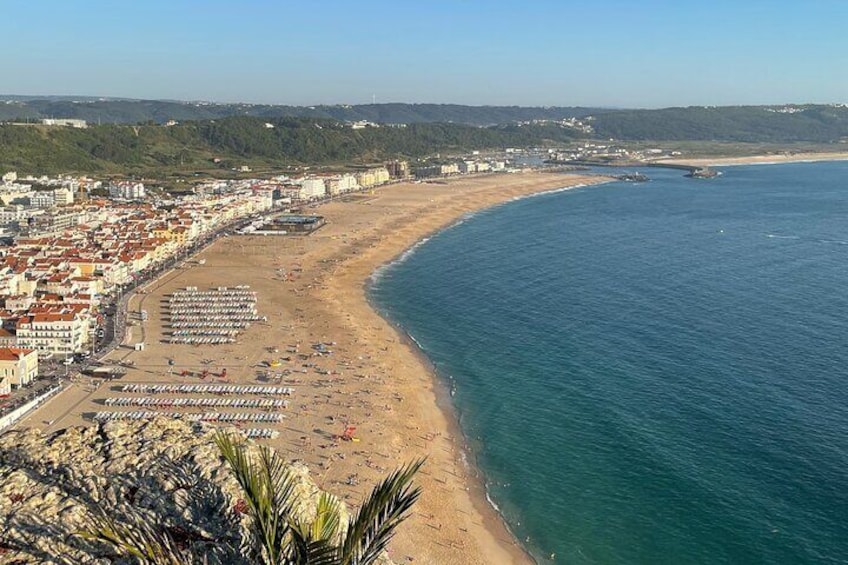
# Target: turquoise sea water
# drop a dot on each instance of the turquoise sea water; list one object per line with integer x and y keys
{"x": 651, "y": 373}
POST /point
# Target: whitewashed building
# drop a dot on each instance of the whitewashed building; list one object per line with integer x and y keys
{"x": 56, "y": 334}
{"x": 18, "y": 367}
{"x": 312, "y": 188}
{"x": 127, "y": 190}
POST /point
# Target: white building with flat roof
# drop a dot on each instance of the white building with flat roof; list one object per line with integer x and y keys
{"x": 56, "y": 334}
{"x": 312, "y": 188}
{"x": 340, "y": 184}
{"x": 42, "y": 199}
{"x": 66, "y": 122}
{"x": 127, "y": 190}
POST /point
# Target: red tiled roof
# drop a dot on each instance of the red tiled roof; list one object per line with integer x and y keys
{"x": 12, "y": 353}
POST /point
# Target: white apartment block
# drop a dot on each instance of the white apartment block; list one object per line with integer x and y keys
{"x": 66, "y": 122}
{"x": 43, "y": 199}
{"x": 13, "y": 216}
{"x": 312, "y": 188}
{"x": 63, "y": 196}
{"x": 127, "y": 190}
{"x": 341, "y": 183}
{"x": 53, "y": 334}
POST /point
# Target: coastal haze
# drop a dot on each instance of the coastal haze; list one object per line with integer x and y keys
{"x": 584, "y": 262}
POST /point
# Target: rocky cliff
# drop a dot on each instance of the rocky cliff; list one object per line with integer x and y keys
{"x": 169, "y": 471}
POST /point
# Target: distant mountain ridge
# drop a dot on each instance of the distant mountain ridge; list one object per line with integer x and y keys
{"x": 789, "y": 123}
{"x": 122, "y": 111}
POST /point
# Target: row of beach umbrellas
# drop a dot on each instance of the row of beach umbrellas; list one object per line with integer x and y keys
{"x": 207, "y": 388}
{"x": 213, "y": 310}
{"x": 266, "y": 417}
{"x": 260, "y": 433}
{"x": 203, "y": 324}
{"x": 193, "y": 340}
{"x": 206, "y": 332}
{"x": 216, "y": 402}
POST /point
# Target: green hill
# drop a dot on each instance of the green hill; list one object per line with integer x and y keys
{"x": 160, "y": 111}
{"x": 756, "y": 124}
{"x": 246, "y": 140}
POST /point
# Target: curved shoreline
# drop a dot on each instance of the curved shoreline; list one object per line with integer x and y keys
{"x": 494, "y": 521}
{"x": 481, "y": 495}
{"x": 372, "y": 380}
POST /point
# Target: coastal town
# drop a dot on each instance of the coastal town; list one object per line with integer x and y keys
{"x": 241, "y": 303}
{"x": 75, "y": 246}
{"x": 432, "y": 283}
{"x": 213, "y": 308}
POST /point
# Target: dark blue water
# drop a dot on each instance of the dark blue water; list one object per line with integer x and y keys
{"x": 651, "y": 373}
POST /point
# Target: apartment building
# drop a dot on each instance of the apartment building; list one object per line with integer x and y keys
{"x": 127, "y": 190}
{"x": 60, "y": 334}
{"x": 312, "y": 188}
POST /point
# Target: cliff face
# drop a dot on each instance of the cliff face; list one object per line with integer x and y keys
{"x": 169, "y": 471}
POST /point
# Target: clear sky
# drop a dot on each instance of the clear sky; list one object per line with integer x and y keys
{"x": 639, "y": 53}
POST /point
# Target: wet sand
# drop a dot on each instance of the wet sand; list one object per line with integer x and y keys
{"x": 313, "y": 289}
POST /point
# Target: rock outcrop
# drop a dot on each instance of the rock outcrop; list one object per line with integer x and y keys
{"x": 168, "y": 471}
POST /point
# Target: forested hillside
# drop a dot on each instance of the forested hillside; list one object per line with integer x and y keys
{"x": 161, "y": 111}
{"x": 245, "y": 140}
{"x": 775, "y": 124}
{"x": 816, "y": 123}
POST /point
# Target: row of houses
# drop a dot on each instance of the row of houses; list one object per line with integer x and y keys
{"x": 463, "y": 167}
{"x": 321, "y": 185}
{"x": 52, "y": 286}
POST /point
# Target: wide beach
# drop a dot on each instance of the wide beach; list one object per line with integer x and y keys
{"x": 313, "y": 289}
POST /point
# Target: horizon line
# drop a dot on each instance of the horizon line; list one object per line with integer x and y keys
{"x": 96, "y": 98}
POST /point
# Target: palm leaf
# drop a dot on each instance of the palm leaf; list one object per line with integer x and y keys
{"x": 327, "y": 520}
{"x": 370, "y": 531}
{"x": 303, "y": 551}
{"x": 134, "y": 536}
{"x": 316, "y": 542}
{"x": 268, "y": 490}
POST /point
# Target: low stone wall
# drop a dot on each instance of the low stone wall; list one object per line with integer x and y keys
{"x": 18, "y": 413}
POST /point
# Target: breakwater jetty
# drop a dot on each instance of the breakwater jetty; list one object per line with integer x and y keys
{"x": 692, "y": 171}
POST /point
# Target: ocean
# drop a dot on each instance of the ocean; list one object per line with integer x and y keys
{"x": 650, "y": 373}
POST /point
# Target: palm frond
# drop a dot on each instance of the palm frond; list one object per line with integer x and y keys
{"x": 327, "y": 522}
{"x": 304, "y": 551}
{"x": 134, "y": 536}
{"x": 316, "y": 542}
{"x": 268, "y": 490}
{"x": 388, "y": 505}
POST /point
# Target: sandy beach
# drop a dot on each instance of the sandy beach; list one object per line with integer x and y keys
{"x": 313, "y": 289}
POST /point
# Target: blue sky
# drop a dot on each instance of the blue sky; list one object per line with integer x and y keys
{"x": 647, "y": 53}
